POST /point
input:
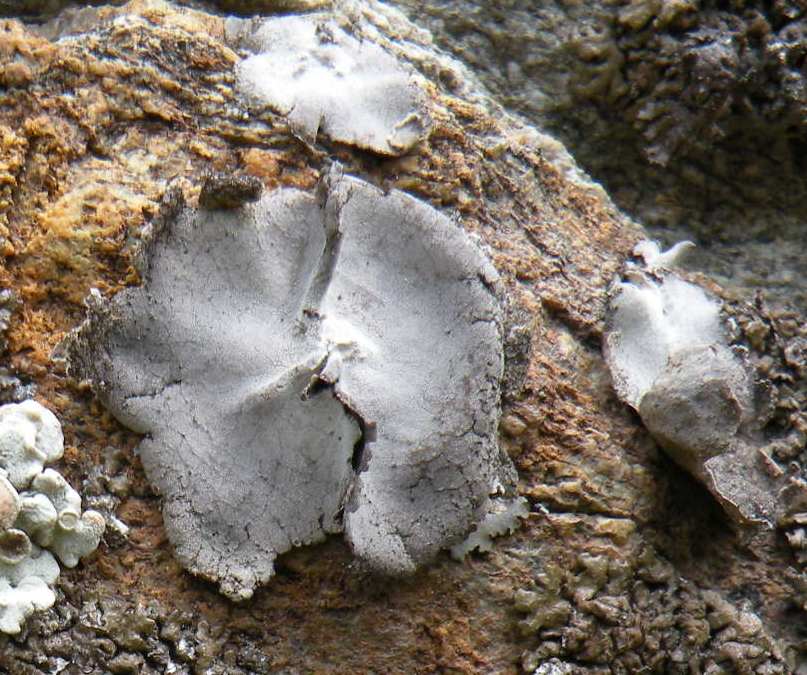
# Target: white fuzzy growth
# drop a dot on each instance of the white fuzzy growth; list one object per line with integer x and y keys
{"x": 312, "y": 71}
{"x": 30, "y": 436}
{"x": 653, "y": 319}
{"x": 503, "y": 517}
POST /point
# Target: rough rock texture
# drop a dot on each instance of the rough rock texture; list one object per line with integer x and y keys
{"x": 39, "y": 10}
{"x": 624, "y": 562}
{"x": 692, "y": 113}
{"x": 11, "y": 389}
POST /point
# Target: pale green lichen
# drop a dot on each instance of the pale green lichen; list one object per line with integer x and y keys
{"x": 51, "y": 514}
{"x": 26, "y": 586}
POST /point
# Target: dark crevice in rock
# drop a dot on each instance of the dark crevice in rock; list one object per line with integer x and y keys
{"x": 316, "y": 386}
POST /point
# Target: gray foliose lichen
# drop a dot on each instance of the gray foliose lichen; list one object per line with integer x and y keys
{"x": 670, "y": 360}
{"x": 307, "y": 365}
{"x": 321, "y": 78}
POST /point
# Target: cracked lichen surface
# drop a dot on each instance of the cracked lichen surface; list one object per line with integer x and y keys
{"x": 266, "y": 342}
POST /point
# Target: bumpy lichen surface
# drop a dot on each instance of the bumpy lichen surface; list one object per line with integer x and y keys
{"x": 46, "y": 510}
{"x": 306, "y": 365}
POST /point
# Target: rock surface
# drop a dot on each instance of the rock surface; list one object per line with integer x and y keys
{"x": 691, "y": 113}
{"x": 624, "y": 563}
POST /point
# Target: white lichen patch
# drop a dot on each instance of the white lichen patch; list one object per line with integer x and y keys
{"x": 9, "y": 502}
{"x": 503, "y": 517}
{"x": 46, "y": 511}
{"x": 669, "y": 358}
{"x": 323, "y": 79}
{"x": 51, "y": 514}
{"x": 26, "y": 586}
{"x": 18, "y": 602}
{"x": 654, "y": 258}
{"x": 654, "y": 319}
{"x": 30, "y": 436}
{"x": 555, "y": 667}
{"x": 306, "y": 365}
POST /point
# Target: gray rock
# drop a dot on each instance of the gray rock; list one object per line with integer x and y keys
{"x": 691, "y": 115}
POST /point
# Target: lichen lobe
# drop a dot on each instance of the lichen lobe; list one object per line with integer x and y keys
{"x": 670, "y": 360}
{"x": 323, "y": 79}
{"x": 262, "y": 342}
